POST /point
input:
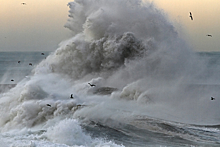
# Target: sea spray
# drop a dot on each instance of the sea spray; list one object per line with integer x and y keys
{"x": 126, "y": 36}
{"x": 130, "y": 45}
{"x": 125, "y": 45}
{"x": 68, "y": 132}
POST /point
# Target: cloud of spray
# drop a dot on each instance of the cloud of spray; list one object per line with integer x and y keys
{"x": 134, "y": 47}
{"x": 109, "y": 35}
{"x": 125, "y": 44}
{"x": 127, "y": 40}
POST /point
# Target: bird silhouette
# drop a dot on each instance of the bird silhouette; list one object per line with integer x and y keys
{"x": 71, "y": 96}
{"x": 19, "y": 61}
{"x": 212, "y": 98}
{"x": 209, "y": 35}
{"x": 30, "y": 64}
{"x": 92, "y": 85}
{"x": 190, "y": 15}
{"x": 42, "y": 53}
{"x": 48, "y": 105}
{"x": 23, "y": 3}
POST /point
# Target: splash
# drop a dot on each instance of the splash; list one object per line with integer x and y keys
{"x": 108, "y": 37}
{"x": 125, "y": 45}
{"x": 68, "y": 132}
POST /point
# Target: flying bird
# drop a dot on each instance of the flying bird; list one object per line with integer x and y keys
{"x": 23, "y": 3}
{"x": 92, "y": 85}
{"x": 12, "y": 80}
{"x": 19, "y": 61}
{"x": 212, "y": 98}
{"x": 71, "y": 96}
{"x": 48, "y": 105}
{"x": 30, "y": 64}
{"x": 190, "y": 15}
{"x": 42, "y": 53}
{"x": 209, "y": 35}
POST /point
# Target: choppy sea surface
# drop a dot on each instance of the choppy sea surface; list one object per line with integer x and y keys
{"x": 123, "y": 79}
{"x": 16, "y": 65}
{"x": 60, "y": 125}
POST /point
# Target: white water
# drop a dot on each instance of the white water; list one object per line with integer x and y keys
{"x": 124, "y": 44}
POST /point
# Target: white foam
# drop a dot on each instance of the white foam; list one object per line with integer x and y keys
{"x": 124, "y": 44}
{"x": 68, "y": 132}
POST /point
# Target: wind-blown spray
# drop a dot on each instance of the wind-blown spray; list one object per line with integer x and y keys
{"x": 127, "y": 47}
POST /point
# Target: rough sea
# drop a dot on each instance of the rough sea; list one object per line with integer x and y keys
{"x": 125, "y": 78}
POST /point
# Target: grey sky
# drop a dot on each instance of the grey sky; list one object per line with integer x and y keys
{"x": 39, "y": 25}
{"x": 36, "y": 26}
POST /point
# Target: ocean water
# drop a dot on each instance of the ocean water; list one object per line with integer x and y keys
{"x": 15, "y": 65}
{"x": 151, "y": 88}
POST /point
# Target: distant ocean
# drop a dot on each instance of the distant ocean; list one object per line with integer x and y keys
{"x": 15, "y": 65}
{"x": 125, "y": 78}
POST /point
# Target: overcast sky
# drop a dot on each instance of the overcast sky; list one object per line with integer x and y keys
{"x": 206, "y": 20}
{"x": 39, "y": 25}
{"x": 36, "y": 26}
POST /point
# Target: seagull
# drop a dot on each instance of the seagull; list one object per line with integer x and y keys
{"x": 190, "y": 15}
{"x": 30, "y": 64}
{"x": 209, "y": 35}
{"x": 23, "y": 3}
{"x": 71, "y": 96}
{"x": 212, "y": 98}
{"x": 48, "y": 105}
{"x": 92, "y": 85}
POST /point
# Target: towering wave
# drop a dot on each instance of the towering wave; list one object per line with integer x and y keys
{"x": 109, "y": 36}
{"x": 126, "y": 45}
